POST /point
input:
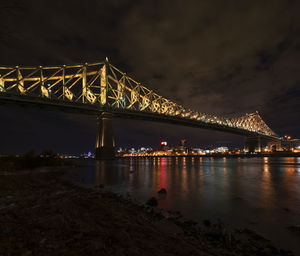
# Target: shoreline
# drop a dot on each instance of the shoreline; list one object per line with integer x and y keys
{"x": 258, "y": 155}
{"x": 43, "y": 214}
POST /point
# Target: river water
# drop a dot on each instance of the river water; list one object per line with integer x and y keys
{"x": 262, "y": 194}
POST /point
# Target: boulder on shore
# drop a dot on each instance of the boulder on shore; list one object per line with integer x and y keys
{"x": 152, "y": 202}
{"x": 162, "y": 191}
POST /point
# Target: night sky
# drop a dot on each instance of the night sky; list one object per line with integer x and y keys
{"x": 223, "y": 57}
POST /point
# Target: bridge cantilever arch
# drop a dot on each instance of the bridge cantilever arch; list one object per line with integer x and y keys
{"x": 103, "y": 90}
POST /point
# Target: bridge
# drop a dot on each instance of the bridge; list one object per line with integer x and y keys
{"x": 103, "y": 90}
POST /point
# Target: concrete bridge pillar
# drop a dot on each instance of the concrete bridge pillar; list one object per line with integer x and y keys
{"x": 105, "y": 145}
{"x": 252, "y": 144}
{"x": 274, "y": 145}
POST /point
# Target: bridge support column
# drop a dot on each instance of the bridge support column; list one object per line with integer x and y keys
{"x": 252, "y": 144}
{"x": 274, "y": 145}
{"x": 105, "y": 145}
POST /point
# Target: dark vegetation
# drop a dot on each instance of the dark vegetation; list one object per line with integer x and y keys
{"x": 30, "y": 161}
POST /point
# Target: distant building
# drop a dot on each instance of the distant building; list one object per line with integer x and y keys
{"x": 197, "y": 150}
{"x": 182, "y": 145}
{"x": 289, "y": 144}
{"x": 132, "y": 151}
{"x": 164, "y": 145}
{"x": 87, "y": 155}
{"x": 221, "y": 150}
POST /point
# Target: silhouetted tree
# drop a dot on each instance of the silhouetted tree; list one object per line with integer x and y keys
{"x": 49, "y": 153}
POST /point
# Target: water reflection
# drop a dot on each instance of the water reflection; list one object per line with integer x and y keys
{"x": 265, "y": 191}
{"x": 163, "y": 173}
{"x": 183, "y": 171}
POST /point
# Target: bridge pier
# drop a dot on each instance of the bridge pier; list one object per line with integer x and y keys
{"x": 105, "y": 145}
{"x": 274, "y": 145}
{"x": 252, "y": 144}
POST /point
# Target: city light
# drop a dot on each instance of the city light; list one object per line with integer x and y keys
{"x": 285, "y": 147}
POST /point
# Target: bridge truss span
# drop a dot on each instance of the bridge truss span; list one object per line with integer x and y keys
{"x": 103, "y": 87}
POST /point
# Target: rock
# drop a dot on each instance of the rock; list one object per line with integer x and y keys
{"x": 252, "y": 222}
{"x": 294, "y": 229}
{"x": 111, "y": 240}
{"x": 98, "y": 244}
{"x": 60, "y": 192}
{"x": 152, "y": 202}
{"x": 167, "y": 227}
{"x": 254, "y": 236}
{"x": 162, "y": 191}
{"x": 123, "y": 236}
{"x": 228, "y": 240}
{"x": 43, "y": 240}
{"x": 271, "y": 250}
{"x": 206, "y": 223}
{"x": 267, "y": 251}
{"x": 286, "y": 252}
{"x": 174, "y": 214}
{"x": 190, "y": 223}
{"x": 27, "y": 253}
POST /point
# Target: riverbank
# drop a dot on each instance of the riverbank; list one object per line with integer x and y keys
{"x": 221, "y": 155}
{"x": 43, "y": 215}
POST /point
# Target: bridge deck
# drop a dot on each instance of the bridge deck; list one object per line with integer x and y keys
{"x": 98, "y": 87}
{"x": 91, "y": 109}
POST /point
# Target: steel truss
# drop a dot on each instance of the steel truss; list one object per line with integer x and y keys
{"x": 102, "y": 84}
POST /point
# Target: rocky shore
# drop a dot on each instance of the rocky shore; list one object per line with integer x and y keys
{"x": 40, "y": 214}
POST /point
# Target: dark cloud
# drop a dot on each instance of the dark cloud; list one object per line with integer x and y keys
{"x": 222, "y": 57}
{"x": 215, "y": 51}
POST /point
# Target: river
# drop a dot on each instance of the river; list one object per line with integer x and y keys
{"x": 262, "y": 194}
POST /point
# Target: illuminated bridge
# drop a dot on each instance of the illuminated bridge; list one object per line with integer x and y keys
{"x": 103, "y": 90}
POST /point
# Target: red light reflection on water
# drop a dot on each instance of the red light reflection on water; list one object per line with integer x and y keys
{"x": 162, "y": 172}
